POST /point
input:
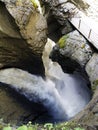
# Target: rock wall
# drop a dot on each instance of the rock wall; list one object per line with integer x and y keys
{"x": 23, "y": 35}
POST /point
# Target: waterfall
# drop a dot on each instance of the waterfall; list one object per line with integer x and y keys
{"x": 64, "y": 95}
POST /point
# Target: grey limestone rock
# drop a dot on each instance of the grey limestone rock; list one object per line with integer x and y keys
{"x": 77, "y": 48}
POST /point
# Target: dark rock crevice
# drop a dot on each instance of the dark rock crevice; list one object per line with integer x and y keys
{"x": 15, "y": 53}
{"x": 57, "y": 21}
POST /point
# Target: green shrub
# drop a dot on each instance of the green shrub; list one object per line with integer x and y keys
{"x": 47, "y": 126}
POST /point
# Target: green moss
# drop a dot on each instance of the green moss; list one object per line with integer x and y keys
{"x": 95, "y": 84}
{"x": 83, "y": 46}
{"x": 35, "y": 4}
{"x": 62, "y": 41}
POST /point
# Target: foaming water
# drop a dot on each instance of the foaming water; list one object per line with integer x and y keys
{"x": 64, "y": 95}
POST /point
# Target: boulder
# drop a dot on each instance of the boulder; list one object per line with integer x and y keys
{"x": 77, "y": 48}
{"x": 72, "y": 52}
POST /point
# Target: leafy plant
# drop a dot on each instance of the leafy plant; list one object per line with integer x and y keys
{"x": 7, "y": 127}
{"x": 78, "y": 128}
{"x": 23, "y": 127}
{"x": 95, "y": 84}
{"x": 47, "y": 126}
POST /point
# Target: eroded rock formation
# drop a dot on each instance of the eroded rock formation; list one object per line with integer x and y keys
{"x": 23, "y": 35}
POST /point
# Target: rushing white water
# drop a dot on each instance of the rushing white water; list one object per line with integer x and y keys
{"x": 64, "y": 95}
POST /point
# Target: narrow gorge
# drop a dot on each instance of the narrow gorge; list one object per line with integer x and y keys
{"x": 48, "y": 69}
